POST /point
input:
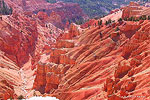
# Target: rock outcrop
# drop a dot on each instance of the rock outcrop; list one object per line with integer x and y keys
{"x": 134, "y": 10}
{"x": 7, "y": 90}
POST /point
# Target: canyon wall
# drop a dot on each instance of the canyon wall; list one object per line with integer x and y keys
{"x": 107, "y": 66}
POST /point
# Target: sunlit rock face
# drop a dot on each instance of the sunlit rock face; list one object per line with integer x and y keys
{"x": 23, "y": 39}
{"x": 109, "y": 65}
{"x": 97, "y": 62}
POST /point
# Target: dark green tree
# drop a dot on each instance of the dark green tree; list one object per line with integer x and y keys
{"x": 131, "y": 19}
{"x": 106, "y": 23}
{"x": 120, "y": 20}
{"x": 100, "y": 35}
{"x": 117, "y": 29}
{"x": 143, "y": 17}
{"x": 109, "y": 21}
{"x": 99, "y": 23}
{"x": 148, "y": 17}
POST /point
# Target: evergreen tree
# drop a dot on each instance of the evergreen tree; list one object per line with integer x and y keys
{"x": 120, "y": 20}
{"x": 106, "y": 23}
{"x": 100, "y": 22}
{"x": 109, "y": 21}
{"x": 117, "y": 29}
{"x": 148, "y": 17}
{"x": 130, "y": 19}
{"x": 143, "y": 17}
{"x": 100, "y": 35}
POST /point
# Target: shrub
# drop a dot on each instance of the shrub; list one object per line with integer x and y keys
{"x": 131, "y": 19}
{"x": 148, "y": 17}
{"x": 143, "y": 17}
{"x": 137, "y": 19}
{"x": 125, "y": 19}
{"x": 117, "y": 29}
{"x": 106, "y": 23}
{"x": 109, "y": 21}
{"x": 11, "y": 98}
{"x": 120, "y": 20}
{"x": 20, "y": 97}
{"x": 100, "y": 22}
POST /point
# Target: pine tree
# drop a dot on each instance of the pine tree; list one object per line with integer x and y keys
{"x": 109, "y": 21}
{"x": 120, "y": 20}
{"x": 117, "y": 29}
{"x": 148, "y": 17}
{"x": 106, "y": 23}
{"x": 101, "y": 22}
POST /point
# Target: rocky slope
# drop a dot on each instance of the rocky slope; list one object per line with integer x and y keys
{"x": 22, "y": 39}
{"x": 106, "y": 62}
{"x": 66, "y": 11}
{"x": 90, "y": 66}
{"x": 104, "y": 6}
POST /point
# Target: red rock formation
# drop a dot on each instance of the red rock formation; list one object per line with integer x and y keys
{"x": 81, "y": 66}
{"x": 89, "y": 23}
{"x": 134, "y": 10}
{"x": 103, "y": 68}
{"x": 73, "y": 32}
{"x": 121, "y": 71}
{"x": 131, "y": 87}
{"x": 22, "y": 41}
{"x": 50, "y": 76}
{"x": 70, "y": 10}
{"x": 42, "y": 15}
{"x": 7, "y": 91}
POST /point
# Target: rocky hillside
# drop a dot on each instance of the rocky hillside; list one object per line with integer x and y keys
{"x": 95, "y": 8}
{"x": 107, "y": 61}
{"x": 67, "y": 11}
{"x": 99, "y": 63}
{"x": 22, "y": 39}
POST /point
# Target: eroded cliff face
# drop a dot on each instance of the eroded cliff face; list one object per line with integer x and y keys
{"x": 97, "y": 62}
{"x": 107, "y": 66}
{"x": 22, "y": 41}
{"x": 135, "y": 10}
{"x": 60, "y": 11}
